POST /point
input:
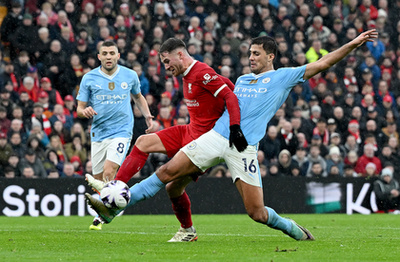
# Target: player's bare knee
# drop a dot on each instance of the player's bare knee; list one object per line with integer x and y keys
{"x": 142, "y": 143}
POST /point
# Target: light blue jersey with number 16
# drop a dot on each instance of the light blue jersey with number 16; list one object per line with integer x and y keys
{"x": 110, "y": 97}
{"x": 260, "y": 96}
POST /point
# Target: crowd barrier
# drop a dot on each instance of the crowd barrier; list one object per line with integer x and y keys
{"x": 65, "y": 197}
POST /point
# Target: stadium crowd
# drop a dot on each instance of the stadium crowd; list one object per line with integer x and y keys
{"x": 343, "y": 122}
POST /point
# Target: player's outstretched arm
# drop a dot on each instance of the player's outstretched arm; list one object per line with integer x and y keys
{"x": 141, "y": 103}
{"x": 332, "y": 58}
{"x": 83, "y": 111}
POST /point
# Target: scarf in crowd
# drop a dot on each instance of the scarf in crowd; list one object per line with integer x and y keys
{"x": 46, "y": 124}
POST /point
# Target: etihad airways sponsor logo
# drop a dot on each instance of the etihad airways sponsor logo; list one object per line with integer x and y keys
{"x": 111, "y": 99}
{"x": 249, "y": 92}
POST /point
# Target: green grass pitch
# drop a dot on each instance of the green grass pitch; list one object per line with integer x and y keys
{"x": 339, "y": 237}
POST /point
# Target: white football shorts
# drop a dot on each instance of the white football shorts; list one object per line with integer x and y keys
{"x": 113, "y": 149}
{"x": 212, "y": 148}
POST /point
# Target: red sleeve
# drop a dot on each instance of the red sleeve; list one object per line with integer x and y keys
{"x": 231, "y": 101}
{"x": 220, "y": 87}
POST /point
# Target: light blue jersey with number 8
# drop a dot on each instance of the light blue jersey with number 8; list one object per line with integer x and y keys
{"x": 110, "y": 97}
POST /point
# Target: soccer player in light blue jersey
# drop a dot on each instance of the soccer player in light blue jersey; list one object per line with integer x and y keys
{"x": 260, "y": 95}
{"x": 105, "y": 95}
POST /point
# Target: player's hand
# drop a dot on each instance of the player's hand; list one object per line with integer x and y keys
{"x": 89, "y": 112}
{"x": 237, "y": 138}
{"x": 149, "y": 123}
{"x": 367, "y": 36}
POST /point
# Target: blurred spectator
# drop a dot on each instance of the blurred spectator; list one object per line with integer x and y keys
{"x": 319, "y": 31}
{"x": 36, "y": 129}
{"x": 301, "y": 160}
{"x": 144, "y": 82}
{"x": 58, "y": 115}
{"x": 52, "y": 162}
{"x": 387, "y": 191}
{"x": 75, "y": 148}
{"x": 38, "y": 114}
{"x": 17, "y": 146}
{"x": 287, "y": 138}
{"x": 88, "y": 167}
{"x": 77, "y": 128}
{"x": 28, "y": 86}
{"x": 11, "y": 21}
{"x": 31, "y": 160}
{"x": 76, "y": 162}
{"x": 315, "y": 52}
{"x": 28, "y": 172}
{"x": 368, "y": 157}
{"x": 285, "y": 163}
{"x": 56, "y": 145}
{"x": 314, "y": 157}
{"x": 10, "y": 24}
{"x": 5, "y": 123}
{"x": 70, "y": 107}
{"x": 334, "y": 159}
{"x": 53, "y": 173}
{"x": 54, "y": 63}
{"x": 34, "y": 143}
{"x": 72, "y": 76}
{"x": 13, "y": 161}
{"x": 9, "y": 172}
{"x": 54, "y": 95}
{"x": 317, "y": 140}
{"x": 69, "y": 171}
{"x": 8, "y": 75}
{"x": 25, "y": 37}
{"x": 5, "y": 150}
{"x": 316, "y": 171}
{"x": 43, "y": 98}
{"x": 59, "y": 130}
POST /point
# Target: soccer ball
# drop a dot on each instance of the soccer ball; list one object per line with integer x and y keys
{"x": 115, "y": 194}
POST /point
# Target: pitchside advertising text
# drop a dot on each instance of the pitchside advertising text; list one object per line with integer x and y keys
{"x": 65, "y": 197}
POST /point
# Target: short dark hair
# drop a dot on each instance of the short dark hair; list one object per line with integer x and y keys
{"x": 269, "y": 44}
{"x": 172, "y": 44}
{"x": 108, "y": 43}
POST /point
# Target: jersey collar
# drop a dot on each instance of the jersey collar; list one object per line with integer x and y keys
{"x": 261, "y": 74}
{"x": 190, "y": 67}
{"x": 110, "y": 76}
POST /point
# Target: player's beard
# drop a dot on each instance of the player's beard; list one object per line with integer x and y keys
{"x": 110, "y": 67}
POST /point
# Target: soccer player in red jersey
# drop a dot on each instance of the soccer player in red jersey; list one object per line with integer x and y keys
{"x": 206, "y": 94}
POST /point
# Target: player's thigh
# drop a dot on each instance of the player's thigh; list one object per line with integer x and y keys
{"x": 179, "y": 166}
{"x": 244, "y": 165}
{"x": 150, "y": 143}
{"x": 206, "y": 151}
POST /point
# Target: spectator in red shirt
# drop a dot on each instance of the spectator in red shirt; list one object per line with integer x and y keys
{"x": 368, "y": 157}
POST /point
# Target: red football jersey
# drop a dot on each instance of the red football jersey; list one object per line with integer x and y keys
{"x": 203, "y": 90}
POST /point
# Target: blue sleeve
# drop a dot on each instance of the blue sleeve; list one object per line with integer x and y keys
{"x": 135, "y": 84}
{"x": 83, "y": 93}
{"x": 293, "y": 76}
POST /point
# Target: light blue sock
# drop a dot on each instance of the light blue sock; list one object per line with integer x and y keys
{"x": 285, "y": 225}
{"x": 147, "y": 188}
{"x": 275, "y": 221}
